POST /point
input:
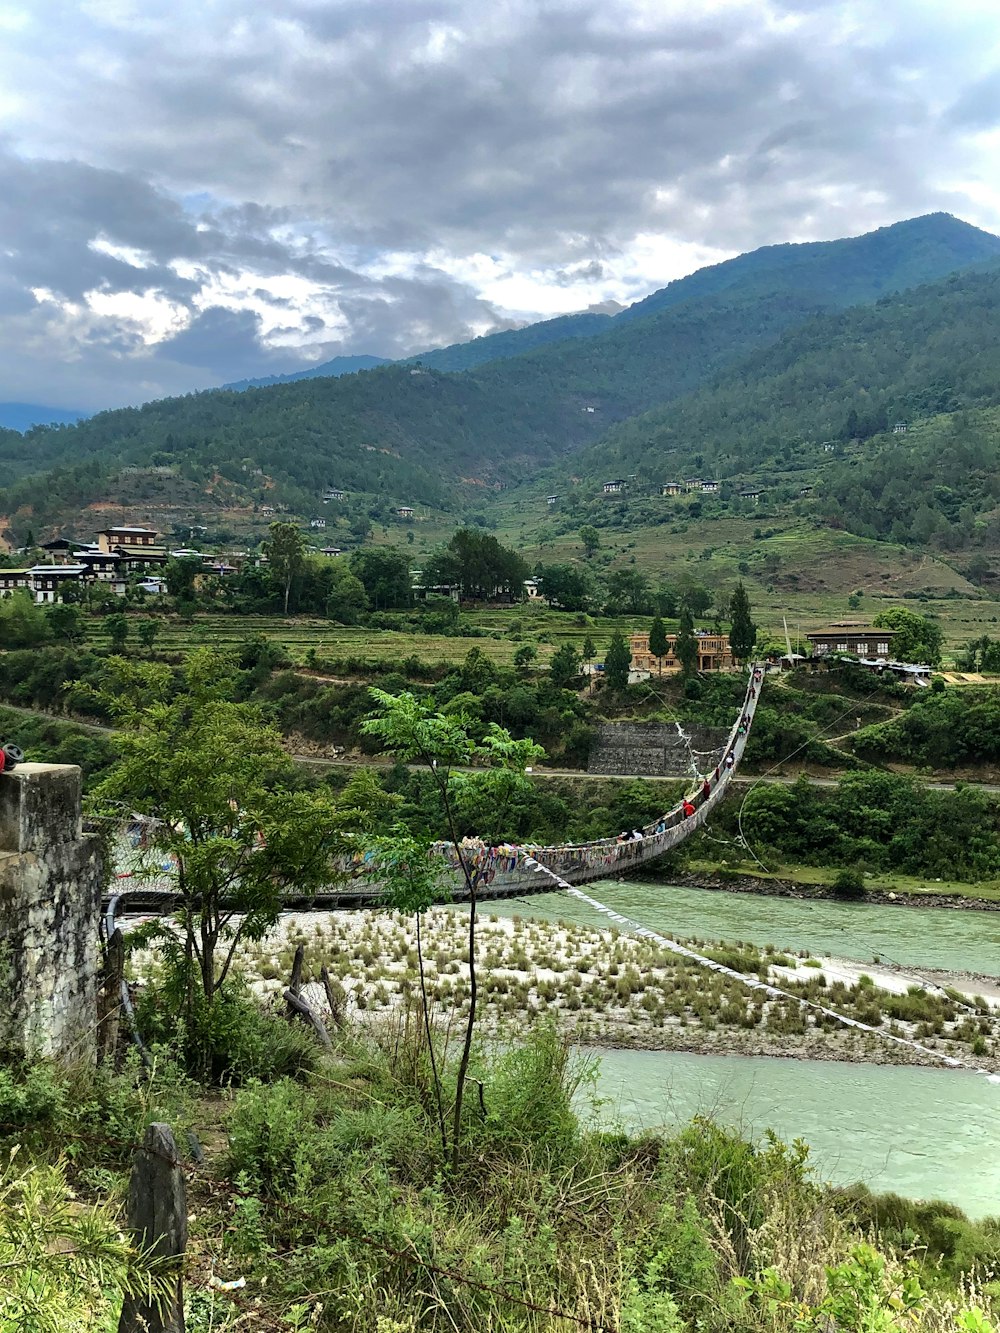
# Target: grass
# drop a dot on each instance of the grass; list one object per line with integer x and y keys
{"x": 597, "y": 986}
{"x": 800, "y": 571}
{"x": 544, "y": 629}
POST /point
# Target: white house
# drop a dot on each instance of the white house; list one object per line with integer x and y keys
{"x": 709, "y": 487}
{"x": 317, "y": 522}
{"x": 404, "y": 511}
{"x": 48, "y": 581}
{"x": 613, "y": 487}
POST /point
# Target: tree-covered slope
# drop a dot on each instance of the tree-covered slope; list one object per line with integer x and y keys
{"x": 515, "y": 342}
{"x": 339, "y": 365}
{"x": 846, "y": 272}
{"x": 829, "y": 394}
{"x": 754, "y": 358}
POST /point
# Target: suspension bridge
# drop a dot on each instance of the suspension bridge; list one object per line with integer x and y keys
{"x": 513, "y": 870}
{"x": 143, "y": 885}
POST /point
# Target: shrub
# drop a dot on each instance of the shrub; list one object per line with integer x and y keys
{"x": 849, "y": 882}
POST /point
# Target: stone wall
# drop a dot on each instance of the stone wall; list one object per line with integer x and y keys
{"x": 654, "y": 749}
{"x": 50, "y": 903}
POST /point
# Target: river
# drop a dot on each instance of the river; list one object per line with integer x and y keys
{"x": 921, "y": 1132}
{"x": 924, "y": 1133}
{"x": 960, "y": 941}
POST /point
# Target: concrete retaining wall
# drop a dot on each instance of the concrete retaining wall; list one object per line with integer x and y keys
{"x": 655, "y": 750}
{"x": 50, "y": 902}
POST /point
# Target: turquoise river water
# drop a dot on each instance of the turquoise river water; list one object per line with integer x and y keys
{"x": 926, "y": 1133}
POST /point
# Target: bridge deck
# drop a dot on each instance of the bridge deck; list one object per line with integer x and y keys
{"x": 500, "y": 872}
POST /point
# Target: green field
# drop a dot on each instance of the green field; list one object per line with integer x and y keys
{"x": 545, "y": 630}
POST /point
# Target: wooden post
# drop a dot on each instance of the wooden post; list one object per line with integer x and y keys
{"x": 334, "y": 998}
{"x": 295, "y": 982}
{"x": 157, "y": 1214}
{"x": 109, "y": 999}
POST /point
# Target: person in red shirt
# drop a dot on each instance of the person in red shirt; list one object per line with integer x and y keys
{"x": 688, "y": 808}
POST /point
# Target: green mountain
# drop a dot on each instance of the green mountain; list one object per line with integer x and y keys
{"x": 458, "y": 356}
{"x": 733, "y": 356}
{"x": 514, "y": 342}
{"x": 889, "y": 401}
{"x": 847, "y": 272}
{"x": 339, "y": 365}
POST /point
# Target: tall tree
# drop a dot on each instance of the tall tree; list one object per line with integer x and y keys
{"x": 385, "y": 576}
{"x": 591, "y": 539}
{"x": 286, "y": 553}
{"x": 686, "y": 645}
{"x": 480, "y": 565}
{"x": 916, "y": 639}
{"x": 216, "y": 787}
{"x": 628, "y": 589}
{"x": 180, "y": 574}
{"x": 617, "y": 662}
{"x": 742, "y": 630}
{"x": 117, "y": 627}
{"x": 565, "y": 586}
{"x": 658, "y": 644}
{"x": 564, "y": 668}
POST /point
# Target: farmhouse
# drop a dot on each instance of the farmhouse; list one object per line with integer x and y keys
{"x": 851, "y": 637}
{"x": 613, "y": 487}
{"x": 714, "y": 653}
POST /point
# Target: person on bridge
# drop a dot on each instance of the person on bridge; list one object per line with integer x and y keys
{"x": 729, "y": 760}
{"x": 706, "y": 790}
{"x": 688, "y": 808}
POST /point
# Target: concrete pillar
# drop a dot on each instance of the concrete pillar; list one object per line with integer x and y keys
{"x": 50, "y": 903}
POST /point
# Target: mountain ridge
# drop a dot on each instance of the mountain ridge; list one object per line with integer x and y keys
{"x": 405, "y": 432}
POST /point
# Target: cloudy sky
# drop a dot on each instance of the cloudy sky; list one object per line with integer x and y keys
{"x": 195, "y": 192}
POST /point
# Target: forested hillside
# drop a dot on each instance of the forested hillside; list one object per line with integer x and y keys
{"x": 849, "y": 272}
{"x": 852, "y": 376}
{"x": 741, "y": 364}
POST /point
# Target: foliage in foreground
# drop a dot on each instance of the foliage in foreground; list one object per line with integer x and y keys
{"x": 333, "y": 1199}
{"x": 63, "y": 1268}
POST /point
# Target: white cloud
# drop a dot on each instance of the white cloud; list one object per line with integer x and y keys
{"x": 363, "y": 175}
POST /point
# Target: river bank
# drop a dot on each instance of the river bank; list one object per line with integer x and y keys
{"x": 602, "y": 987}
{"x": 770, "y": 886}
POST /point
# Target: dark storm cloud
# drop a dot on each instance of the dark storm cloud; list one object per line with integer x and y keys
{"x": 74, "y": 233}
{"x": 384, "y": 152}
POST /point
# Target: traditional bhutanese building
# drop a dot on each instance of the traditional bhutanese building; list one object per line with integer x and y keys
{"x": 714, "y": 653}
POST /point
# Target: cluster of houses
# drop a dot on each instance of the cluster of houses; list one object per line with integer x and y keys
{"x": 693, "y": 485}
{"x": 118, "y": 554}
{"x": 335, "y": 493}
{"x": 871, "y": 647}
